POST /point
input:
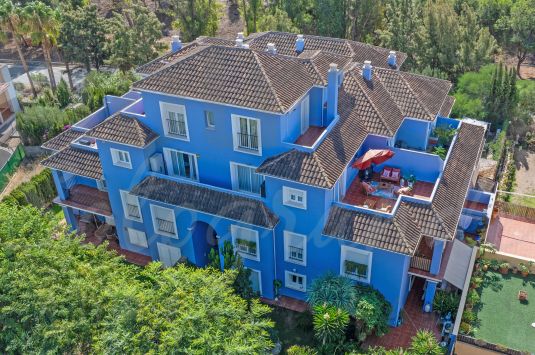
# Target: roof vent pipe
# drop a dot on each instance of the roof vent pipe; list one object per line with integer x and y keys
{"x": 176, "y": 44}
{"x": 240, "y": 35}
{"x": 392, "y": 59}
{"x": 367, "y": 70}
{"x": 245, "y": 45}
{"x": 299, "y": 43}
{"x": 332, "y": 92}
{"x": 271, "y": 48}
{"x": 239, "y": 42}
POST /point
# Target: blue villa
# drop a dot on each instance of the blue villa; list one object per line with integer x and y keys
{"x": 254, "y": 141}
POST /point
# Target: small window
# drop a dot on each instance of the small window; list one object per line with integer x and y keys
{"x": 163, "y": 221}
{"x": 138, "y": 238}
{"x": 295, "y": 248}
{"x": 294, "y": 197}
{"x": 245, "y": 242}
{"x": 131, "y": 206}
{"x": 355, "y": 263}
{"x": 296, "y": 281}
{"x": 121, "y": 158}
{"x": 209, "y": 119}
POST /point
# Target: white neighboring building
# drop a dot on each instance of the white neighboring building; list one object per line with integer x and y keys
{"x": 9, "y": 104}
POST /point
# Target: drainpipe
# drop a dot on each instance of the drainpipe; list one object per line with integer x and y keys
{"x": 274, "y": 259}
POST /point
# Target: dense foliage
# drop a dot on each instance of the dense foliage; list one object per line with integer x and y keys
{"x": 38, "y": 192}
{"x": 99, "y": 84}
{"x": 58, "y": 295}
{"x": 37, "y": 124}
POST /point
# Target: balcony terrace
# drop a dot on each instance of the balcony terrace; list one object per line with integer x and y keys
{"x": 88, "y": 199}
{"x": 310, "y": 136}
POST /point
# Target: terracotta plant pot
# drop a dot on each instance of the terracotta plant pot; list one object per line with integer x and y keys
{"x": 504, "y": 270}
{"x": 485, "y": 267}
{"x": 525, "y": 273}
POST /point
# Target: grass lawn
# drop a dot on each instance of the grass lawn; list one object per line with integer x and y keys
{"x": 503, "y": 319}
{"x": 292, "y": 328}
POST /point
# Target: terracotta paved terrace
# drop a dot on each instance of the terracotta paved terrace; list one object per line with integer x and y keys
{"x": 414, "y": 319}
{"x": 308, "y": 138}
{"x": 288, "y": 303}
{"x": 356, "y": 196}
{"x": 512, "y": 236}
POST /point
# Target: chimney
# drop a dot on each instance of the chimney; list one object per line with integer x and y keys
{"x": 271, "y": 48}
{"x": 176, "y": 45}
{"x": 245, "y": 46}
{"x": 239, "y": 42}
{"x": 367, "y": 70}
{"x": 392, "y": 60}
{"x": 240, "y": 36}
{"x": 299, "y": 44}
{"x": 332, "y": 93}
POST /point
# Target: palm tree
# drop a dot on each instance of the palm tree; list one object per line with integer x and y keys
{"x": 10, "y": 23}
{"x": 43, "y": 24}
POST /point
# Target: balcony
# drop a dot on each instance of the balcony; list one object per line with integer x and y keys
{"x": 421, "y": 263}
{"x": 165, "y": 226}
{"x": 247, "y": 141}
{"x": 385, "y": 194}
{"x": 310, "y": 136}
{"x": 86, "y": 198}
{"x": 176, "y": 128}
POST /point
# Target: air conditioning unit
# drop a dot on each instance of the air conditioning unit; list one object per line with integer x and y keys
{"x": 156, "y": 163}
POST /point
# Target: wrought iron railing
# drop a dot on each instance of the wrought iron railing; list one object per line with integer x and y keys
{"x": 176, "y": 127}
{"x": 295, "y": 253}
{"x": 133, "y": 210}
{"x": 247, "y": 141}
{"x": 421, "y": 263}
{"x": 165, "y": 226}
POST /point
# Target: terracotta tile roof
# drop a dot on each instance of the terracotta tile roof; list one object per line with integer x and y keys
{"x": 207, "y": 200}
{"x": 365, "y": 107}
{"x": 402, "y": 232}
{"x": 359, "y": 52}
{"x": 76, "y": 161}
{"x": 63, "y": 140}
{"x": 237, "y": 76}
{"x": 430, "y": 91}
{"x": 457, "y": 175}
{"x": 445, "y": 110}
{"x": 123, "y": 129}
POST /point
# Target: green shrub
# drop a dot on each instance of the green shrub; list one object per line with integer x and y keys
{"x": 425, "y": 343}
{"x": 446, "y": 302}
{"x": 37, "y": 124}
{"x": 63, "y": 94}
{"x": 38, "y": 192}
{"x": 301, "y": 350}
{"x": 98, "y": 84}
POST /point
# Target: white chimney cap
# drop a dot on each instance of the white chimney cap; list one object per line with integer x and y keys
{"x": 367, "y": 63}
{"x": 299, "y": 36}
{"x": 240, "y": 35}
{"x": 392, "y": 52}
{"x": 239, "y": 42}
{"x": 176, "y": 38}
{"x": 271, "y": 48}
{"x": 333, "y": 66}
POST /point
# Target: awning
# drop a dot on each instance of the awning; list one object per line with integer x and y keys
{"x": 458, "y": 264}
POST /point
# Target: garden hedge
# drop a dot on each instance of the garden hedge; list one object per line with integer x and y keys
{"x": 39, "y": 191}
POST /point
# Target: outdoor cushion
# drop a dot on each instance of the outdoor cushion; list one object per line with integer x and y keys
{"x": 386, "y": 172}
{"x": 395, "y": 174}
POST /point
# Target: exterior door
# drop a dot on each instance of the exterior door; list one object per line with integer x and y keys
{"x": 168, "y": 255}
{"x": 305, "y": 114}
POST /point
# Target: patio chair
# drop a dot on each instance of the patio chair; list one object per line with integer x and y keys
{"x": 391, "y": 174}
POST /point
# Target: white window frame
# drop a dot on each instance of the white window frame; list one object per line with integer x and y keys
{"x": 236, "y": 130}
{"x": 287, "y": 254}
{"x": 287, "y": 193}
{"x": 343, "y": 257}
{"x": 294, "y": 286}
{"x": 153, "y": 208}
{"x": 124, "y": 194}
{"x": 169, "y": 163}
{"x": 234, "y": 231}
{"x": 165, "y": 108}
{"x": 117, "y": 159}
{"x": 259, "y": 279}
{"x": 140, "y": 238}
{"x": 207, "y": 115}
{"x": 234, "y": 178}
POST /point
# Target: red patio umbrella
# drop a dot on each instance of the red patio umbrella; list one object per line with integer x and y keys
{"x": 373, "y": 156}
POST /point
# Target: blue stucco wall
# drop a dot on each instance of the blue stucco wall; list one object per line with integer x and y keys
{"x": 413, "y": 133}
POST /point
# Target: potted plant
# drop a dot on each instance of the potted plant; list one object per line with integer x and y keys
{"x": 504, "y": 268}
{"x": 476, "y": 282}
{"x": 411, "y": 180}
{"x": 525, "y": 268}
{"x": 277, "y": 284}
{"x": 522, "y": 296}
{"x": 495, "y": 265}
{"x": 485, "y": 264}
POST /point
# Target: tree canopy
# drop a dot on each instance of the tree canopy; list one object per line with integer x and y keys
{"x": 58, "y": 295}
